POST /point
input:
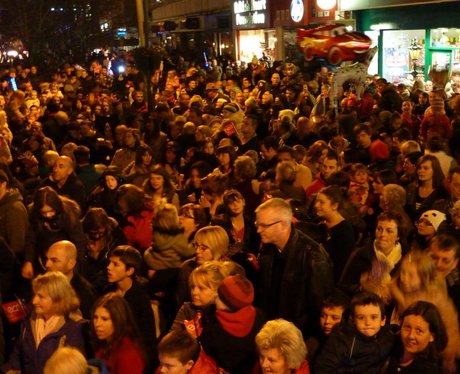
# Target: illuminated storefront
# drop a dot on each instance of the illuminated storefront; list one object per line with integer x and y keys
{"x": 410, "y": 38}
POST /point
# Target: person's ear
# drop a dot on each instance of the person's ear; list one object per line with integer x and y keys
{"x": 189, "y": 364}
{"x": 130, "y": 271}
{"x": 431, "y": 338}
{"x": 383, "y": 321}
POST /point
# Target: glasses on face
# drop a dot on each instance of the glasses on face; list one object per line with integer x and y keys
{"x": 265, "y": 225}
{"x": 200, "y": 246}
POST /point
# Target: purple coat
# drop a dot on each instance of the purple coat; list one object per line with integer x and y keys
{"x": 31, "y": 360}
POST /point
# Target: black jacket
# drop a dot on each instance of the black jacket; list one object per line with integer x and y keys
{"x": 348, "y": 351}
{"x": 295, "y": 290}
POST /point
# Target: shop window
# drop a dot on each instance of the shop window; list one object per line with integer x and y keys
{"x": 445, "y": 38}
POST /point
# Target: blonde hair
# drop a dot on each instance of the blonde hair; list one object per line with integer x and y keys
{"x": 58, "y": 287}
{"x": 67, "y": 360}
{"x": 214, "y": 237}
{"x": 287, "y": 338}
{"x": 210, "y": 274}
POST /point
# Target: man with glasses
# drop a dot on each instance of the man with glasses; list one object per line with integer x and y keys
{"x": 295, "y": 271}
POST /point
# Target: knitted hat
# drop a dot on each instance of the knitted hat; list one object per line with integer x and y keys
{"x": 236, "y": 292}
{"x": 435, "y": 217}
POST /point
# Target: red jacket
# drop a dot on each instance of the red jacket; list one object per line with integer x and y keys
{"x": 126, "y": 358}
{"x": 138, "y": 230}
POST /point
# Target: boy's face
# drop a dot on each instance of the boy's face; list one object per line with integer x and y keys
{"x": 368, "y": 319}
{"x": 172, "y": 365}
{"x": 329, "y": 318}
{"x": 117, "y": 271}
{"x": 364, "y": 139}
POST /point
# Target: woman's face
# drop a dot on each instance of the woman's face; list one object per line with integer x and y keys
{"x": 386, "y": 235}
{"x": 103, "y": 325}
{"x": 156, "y": 181}
{"x": 415, "y": 334}
{"x": 425, "y": 171}
{"x": 324, "y": 206}
{"x": 202, "y": 295}
{"x": 195, "y": 178}
{"x": 203, "y": 253}
{"x": 425, "y": 228}
{"x": 146, "y": 159}
{"x": 377, "y": 185}
{"x": 43, "y": 304}
{"x": 129, "y": 139}
{"x": 272, "y": 361}
{"x": 236, "y": 207}
{"x": 406, "y": 107}
{"x": 224, "y": 159}
{"x": 408, "y": 167}
{"x": 209, "y": 148}
{"x": 111, "y": 182}
{"x": 410, "y": 280}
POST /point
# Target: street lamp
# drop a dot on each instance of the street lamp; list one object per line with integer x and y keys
{"x": 414, "y": 54}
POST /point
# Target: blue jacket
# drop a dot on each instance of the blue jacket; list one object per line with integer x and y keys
{"x": 31, "y": 360}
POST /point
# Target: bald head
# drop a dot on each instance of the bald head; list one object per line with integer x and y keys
{"x": 62, "y": 256}
{"x": 62, "y": 169}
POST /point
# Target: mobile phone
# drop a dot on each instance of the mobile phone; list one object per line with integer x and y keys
{"x": 14, "y": 86}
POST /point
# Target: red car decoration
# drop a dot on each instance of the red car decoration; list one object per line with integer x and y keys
{"x": 333, "y": 42}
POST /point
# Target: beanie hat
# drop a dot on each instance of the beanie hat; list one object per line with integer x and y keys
{"x": 435, "y": 217}
{"x": 236, "y": 292}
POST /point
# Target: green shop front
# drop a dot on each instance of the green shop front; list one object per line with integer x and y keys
{"x": 411, "y": 38}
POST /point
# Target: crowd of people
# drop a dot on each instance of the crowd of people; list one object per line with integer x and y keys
{"x": 246, "y": 223}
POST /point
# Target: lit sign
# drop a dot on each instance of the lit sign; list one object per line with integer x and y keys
{"x": 326, "y": 4}
{"x": 297, "y": 10}
{"x": 250, "y": 12}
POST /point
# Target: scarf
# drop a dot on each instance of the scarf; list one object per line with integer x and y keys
{"x": 42, "y": 328}
{"x": 239, "y": 323}
{"x": 382, "y": 267}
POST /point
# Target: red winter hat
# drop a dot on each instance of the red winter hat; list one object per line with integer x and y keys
{"x": 236, "y": 292}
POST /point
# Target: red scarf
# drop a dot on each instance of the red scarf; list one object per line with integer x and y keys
{"x": 239, "y": 323}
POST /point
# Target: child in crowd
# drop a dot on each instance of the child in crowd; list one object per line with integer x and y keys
{"x": 332, "y": 314}
{"x": 418, "y": 280}
{"x": 359, "y": 186}
{"x": 180, "y": 353}
{"x": 230, "y": 327}
{"x": 361, "y": 346}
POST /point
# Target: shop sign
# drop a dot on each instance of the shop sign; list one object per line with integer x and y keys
{"x": 297, "y": 10}
{"x": 250, "y": 13}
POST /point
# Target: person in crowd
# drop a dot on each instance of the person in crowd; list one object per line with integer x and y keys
{"x": 286, "y": 251}
{"x": 53, "y": 321}
{"x": 428, "y": 187}
{"x": 14, "y": 218}
{"x": 210, "y": 243}
{"x": 138, "y": 171}
{"x": 230, "y": 326}
{"x": 116, "y": 335}
{"x": 285, "y": 177}
{"x": 204, "y": 281}
{"x": 127, "y": 153}
{"x": 62, "y": 256}
{"x": 281, "y": 349}
{"x": 334, "y": 311}
{"x": 102, "y": 235}
{"x": 213, "y": 185}
{"x": 423, "y": 338}
{"x": 315, "y": 156}
{"x": 371, "y": 267}
{"x": 359, "y": 188}
{"x": 419, "y": 280}
{"x": 52, "y": 218}
{"x": 192, "y": 217}
{"x": 339, "y": 238}
{"x": 428, "y": 225}
{"x": 179, "y": 352}
{"x": 85, "y": 170}
{"x": 137, "y": 212}
{"x": 64, "y": 181}
{"x": 445, "y": 205}
{"x": 68, "y": 360}
{"x": 444, "y": 249}
{"x": 328, "y": 166}
{"x": 103, "y": 196}
{"x": 159, "y": 186}
{"x": 123, "y": 273}
{"x": 362, "y": 345}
